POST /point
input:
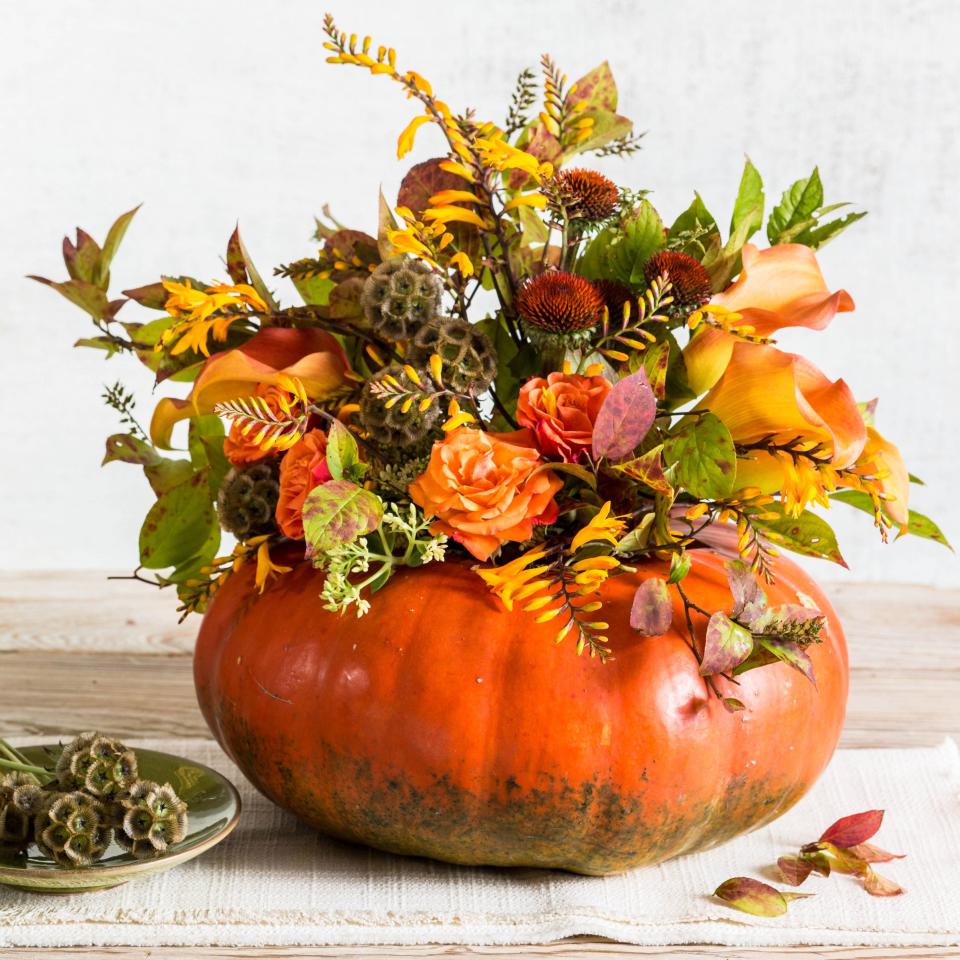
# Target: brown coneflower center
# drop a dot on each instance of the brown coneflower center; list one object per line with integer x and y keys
{"x": 586, "y": 194}
{"x": 559, "y": 302}
{"x": 691, "y": 282}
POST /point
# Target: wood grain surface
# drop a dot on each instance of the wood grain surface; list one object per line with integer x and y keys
{"x": 78, "y": 651}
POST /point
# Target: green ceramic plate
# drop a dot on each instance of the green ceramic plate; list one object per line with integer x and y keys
{"x": 213, "y": 809}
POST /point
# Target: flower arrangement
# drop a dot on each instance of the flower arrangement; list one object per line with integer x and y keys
{"x": 622, "y": 399}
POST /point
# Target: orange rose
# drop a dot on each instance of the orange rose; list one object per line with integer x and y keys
{"x": 486, "y": 489}
{"x": 238, "y": 445}
{"x": 561, "y": 411}
{"x": 303, "y": 467}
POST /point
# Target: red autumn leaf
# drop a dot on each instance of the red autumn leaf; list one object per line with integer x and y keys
{"x": 878, "y": 886}
{"x": 857, "y": 828}
{"x": 794, "y": 870}
{"x": 872, "y": 854}
{"x": 755, "y": 896}
{"x": 625, "y": 417}
{"x": 727, "y": 645}
{"x": 652, "y": 610}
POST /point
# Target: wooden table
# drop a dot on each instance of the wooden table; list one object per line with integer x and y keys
{"x": 79, "y": 652}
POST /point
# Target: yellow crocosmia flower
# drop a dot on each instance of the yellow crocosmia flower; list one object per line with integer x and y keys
{"x": 507, "y": 581}
{"x": 453, "y": 196}
{"x": 458, "y": 169}
{"x": 450, "y": 214}
{"x": 406, "y": 138}
{"x": 266, "y": 568}
{"x": 436, "y": 368}
{"x": 537, "y": 200}
{"x": 596, "y": 563}
{"x": 422, "y": 85}
{"x": 203, "y": 314}
{"x": 601, "y": 527}
{"x": 458, "y": 421}
{"x": 463, "y": 263}
{"x": 412, "y": 374}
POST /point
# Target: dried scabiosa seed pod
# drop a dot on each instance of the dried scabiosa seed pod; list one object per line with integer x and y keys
{"x": 399, "y": 297}
{"x": 153, "y": 818}
{"x": 392, "y": 428}
{"x": 248, "y": 499}
{"x": 73, "y": 829}
{"x": 468, "y": 358}
{"x": 19, "y": 796}
{"x": 98, "y": 765}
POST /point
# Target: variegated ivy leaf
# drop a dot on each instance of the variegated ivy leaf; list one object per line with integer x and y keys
{"x": 338, "y": 512}
{"x": 749, "y": 600}
{"x": 755, "y": 896}
{"x": 726, "y": 646}
{"x": 625, "y": 417}
{"x": 652, "y": 612}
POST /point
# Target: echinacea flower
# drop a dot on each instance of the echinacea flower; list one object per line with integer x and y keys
{"x": 311, "y": 356}
{"x": 690, "y": 284}
{"x": 561, "y": 410}
{"x": 559, "y": 303}
{"x": 796, "y": 427}
{"x": 486, "y": 489}
{"x": 586, "y": 194}
{"x": 779, "y": 287}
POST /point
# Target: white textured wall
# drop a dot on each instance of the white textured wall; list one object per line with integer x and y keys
{"x": 210, "y": 111}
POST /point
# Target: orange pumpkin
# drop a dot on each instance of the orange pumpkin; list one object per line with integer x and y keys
{"x": 440, "y": 725}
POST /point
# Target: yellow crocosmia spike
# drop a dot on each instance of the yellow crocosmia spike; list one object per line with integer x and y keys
{"x": 406, "y": 138}
{"x": 425, "y": 404}
{"x": 599, "y": 625}
{"x": 463, "y": 263}
{"x": 391, "y": 402}
{"x": 453, "y": 408}
{"x": 392, "y": 380}
{"x": 697, "y": 510}
{"x": 436, "y": 368}
{"x": 444, "y": 197}
{"x": 537, "y": 200}
{"x": 618, "y": 355}
{"x": 563, "y": 631}
{"x": 372, "y": 352}
{"x": 458, "y": 421}
{"x": 633, "y": 344}
{"x": 458, "y": 169}
{"x": 596, "y": 563}
{"x": 451, "y": 214}
{"x": 590, "y": 578}
{"x": 407, "y": 404}
{"x": 422, "y": 85}
{"x": 538, "y": 603}
{"x": 594, "y": 370}
{"x": 445, "y": 241}
{"x": 405, "y": 213}
{"x": 549, "y": 615}
{"x": 412, "y": 374}
{"x": 592, "y": 607}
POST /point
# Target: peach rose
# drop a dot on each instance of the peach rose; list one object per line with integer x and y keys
{"x": 303, "y": 467}
{"x": 561, "y": 410}
{"x": 486, "y": 489}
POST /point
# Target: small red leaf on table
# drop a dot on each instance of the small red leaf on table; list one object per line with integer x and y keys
{"x": 794, "y": 870}
{"x": 857, "y": 828}
{"x": 878, "y": 886}
{"x": 872, "y": 854}
{"x": 755, "y": 896}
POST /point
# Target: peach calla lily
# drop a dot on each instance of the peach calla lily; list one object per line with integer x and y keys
{"x": 882, "y": 459}
{"x": 312, "y": 356}
{"x": 765, "y": 392}
{"x": 779, "y": 287}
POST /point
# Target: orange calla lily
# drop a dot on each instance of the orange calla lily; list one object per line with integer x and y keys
{"x": 779, "y": 287}
{"x": 314, "y": 357}
{"x": 765, "y": 392}
{"x": 882, "y": 459}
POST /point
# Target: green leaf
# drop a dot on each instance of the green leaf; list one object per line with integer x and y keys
{"x": 648, "y": 470}
{"x": 619, "y": 252}
{"x": 809, "y": 535}
{"x": 680, "y": 564}
{"x": 101, "y": 274}
{"x": 85, "y": 295}
{"x": 918, "y": 525}
{"x": 315, "y": 291}
{"x": 701, "y": 457}
{"x": 99, "y": 343}
{"x": 797, "y": 205}
{"x": 748, "y": 208}
{"x": 236, "y": 263}
{"x": 81, "y": 258}
{"x": 790, "y": 653}
{"x": 205, "y": 443}
{"x": 163, "y": 473}
{"x": 343, "y": 454}
{"x": 256, "y": 281}
{"x": 338, "y": 512}
{"x": 726, "y": 646}
{"x": 821, "y": 234}
{"x": 179, "y": 524}
{"x": 694, "y": 230}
